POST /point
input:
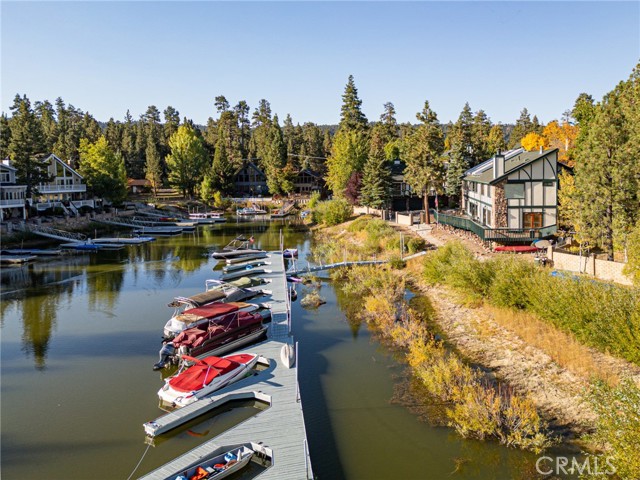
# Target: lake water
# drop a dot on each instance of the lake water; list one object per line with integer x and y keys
{"x": 79, "y": 336}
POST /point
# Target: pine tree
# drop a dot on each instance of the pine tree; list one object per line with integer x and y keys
{"x": 5, "y": 136}
{"x": 47, "y": 117}
{"x": 351, "y": 116}
{"x": 171, "y": 124}
{"x": 461, "y": 148}
{"x": 153, "y": 167}
{"x": 26, "y": 147}
{"x": 496, "y": 140}
{"x": 422, "y": 151}
{"x": 221, "y": 169}
{"x": 375, "y": 191}
{"x": 274, "y": 160}
{"x": 607, "y": 182}
{"x": 241, "y": 111}
{"x": 480, "y": 131}
{"x": 523, "y": 126}
{"x": 390, "y": 130}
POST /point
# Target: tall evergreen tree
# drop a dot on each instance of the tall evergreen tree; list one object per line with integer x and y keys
{"x": 375, "y": 191}
{"x": 313, "y": 154}
{"x": 5, "y": 136}
{"x": 128, "y": 145}
{"x": 153, "y": 167}
{"x": 480, "y": 131}
{"x": 523, "y": 126}
{"x": 390, "y": 129}
{"x": 607, "y": 182}
{"x": 47, "y": 117}
{"x": 241, "y": 111}
{"x": 496, "y": 140}
{"x": 222, "y": 169}
{"x": 460, "y": 156}
{"x": 422, "y": 152}
{"x": 26, "y": 147}
{"x": 351, "y": 116}
{"x": 171, "y": 124}
{"x": 274, "y": 160}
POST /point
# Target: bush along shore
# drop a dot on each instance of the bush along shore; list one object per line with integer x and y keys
{"x": 544, "y": 342}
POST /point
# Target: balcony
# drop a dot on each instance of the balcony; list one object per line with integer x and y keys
{"x": 12, "y": 203}
{"x": 498, "y": 235}
{"x": 46, "y": 189}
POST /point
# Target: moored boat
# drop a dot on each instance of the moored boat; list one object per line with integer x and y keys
{"x": 203, "y": 218}
{"x": 215, "y": 337}
{"x": 192, "y": 317}
{"x": 238, "y": 247}
{"x": 290, "y": 253}
{"x": 220, "y": 463}
{"x": 244, "y": 273}
{"x": 199, "y": 377}
{"x": 250, "y": 211}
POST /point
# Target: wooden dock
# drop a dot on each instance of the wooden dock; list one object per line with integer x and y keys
{"x": 280, "y": 427}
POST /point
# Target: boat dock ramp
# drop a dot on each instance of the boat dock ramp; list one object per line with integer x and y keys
{"x": 280, "y": 427}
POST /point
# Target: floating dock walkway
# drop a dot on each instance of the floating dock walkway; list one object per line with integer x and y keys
{"x": 280, "y": 427}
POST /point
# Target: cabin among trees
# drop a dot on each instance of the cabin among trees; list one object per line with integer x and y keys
{"x": 307, "y": 182}
{"x": 65, "y": 185}
{"x": 250, "y": 180}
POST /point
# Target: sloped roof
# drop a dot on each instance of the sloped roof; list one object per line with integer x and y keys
{"x": 515, "y": 161}
{"x": 64, "y": 164}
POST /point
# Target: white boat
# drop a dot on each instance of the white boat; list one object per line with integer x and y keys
{"x": 288, "y": 355}
{"x": 238, "y": 247}
{"x": 250, "y": 211}
{"x": 192, "y": 317}
{"x": 198, "y": 378}
{"x": 202, "y": 218}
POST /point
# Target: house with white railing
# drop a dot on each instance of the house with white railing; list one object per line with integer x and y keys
{"x": 12, "y": 195}
{"x": 66, "y": 187}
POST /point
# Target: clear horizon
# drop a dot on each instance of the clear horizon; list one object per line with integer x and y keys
{"x": 105, "y": 58}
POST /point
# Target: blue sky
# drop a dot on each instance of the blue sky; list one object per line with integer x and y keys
{"x": 105, "y": 57}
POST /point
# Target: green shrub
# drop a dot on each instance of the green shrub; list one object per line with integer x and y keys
{"x": 397, "y": 263}
{"x": 618, "y": 427}
{"x": 332, "y": 212}
{"x": 313, "y": 200}
{"x": 416, "y": 244}
{"x": 359, "y": 224}
{"x": 512, "y": 283}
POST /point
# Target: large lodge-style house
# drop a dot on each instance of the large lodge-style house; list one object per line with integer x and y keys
{"x": 510, "y": 198}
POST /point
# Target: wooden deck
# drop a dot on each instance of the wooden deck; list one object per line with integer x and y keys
{"x": 281, "y": 426}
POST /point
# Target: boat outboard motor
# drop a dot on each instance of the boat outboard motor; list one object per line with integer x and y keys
{"x": 166, "y": 353}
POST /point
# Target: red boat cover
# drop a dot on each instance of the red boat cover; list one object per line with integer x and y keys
{"x": 516, "y": 248}
{"x": 194, "y": 337}
{"x": 212, "y": 310}
{"x": 202, "y": 374}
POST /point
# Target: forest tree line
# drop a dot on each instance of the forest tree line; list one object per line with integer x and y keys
{"x": 599, "y": 139}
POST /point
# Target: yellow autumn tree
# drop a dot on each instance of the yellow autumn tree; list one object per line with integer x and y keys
{"x": 532, "y": 141}
{"x": 563, "y": 138}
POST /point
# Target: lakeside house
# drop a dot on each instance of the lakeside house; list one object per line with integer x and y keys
{"x": 250, "y": 180}
{"x": 510, "y": 198}
{"x": 307, "y": 182}
{"x": 66, "y": 187}
{"x": 12, "y": 195}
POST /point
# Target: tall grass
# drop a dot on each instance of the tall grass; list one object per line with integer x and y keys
{"x": 474, "y": 406}
{"x": 602, "y": 315}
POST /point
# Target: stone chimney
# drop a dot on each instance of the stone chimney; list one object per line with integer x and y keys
{"x": 498, "y": 165}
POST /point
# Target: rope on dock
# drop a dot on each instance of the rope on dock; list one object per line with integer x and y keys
{"x": 141, "y": 458}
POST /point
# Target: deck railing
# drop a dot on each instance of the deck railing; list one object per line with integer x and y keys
{"x": 499, "y": 235}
